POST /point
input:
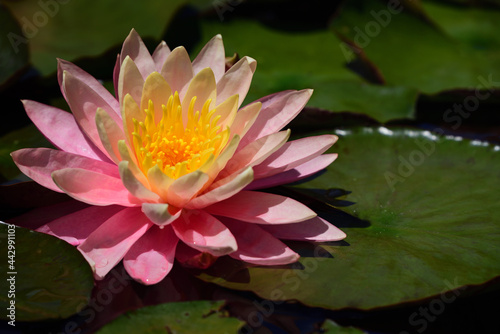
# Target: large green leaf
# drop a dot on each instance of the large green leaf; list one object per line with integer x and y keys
{"x": 182, "y": 317}
{"x": 26, "y": 137}
{"x": 13, "y": 46}
{"x": 331, "y": 327}
{"x": 314, "y": 60}
{"x": 428, "y": 221}
{"x": 51, "y": 279}
{"x": 77, "y": 28}
{"x": 433, "y": 62}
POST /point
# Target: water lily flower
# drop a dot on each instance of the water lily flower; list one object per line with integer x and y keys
{"x": 171, "y": 164}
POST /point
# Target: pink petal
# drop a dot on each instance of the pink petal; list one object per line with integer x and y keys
{"x": 151, "y": 257}
{"x": 109, "y": 243}
{"x": 43, "y": 215}
{"x": 307, "y": 169}
{"x": 220, "y": 192}
{"x": 254, "y": 153}
{"x": 116, "y": 74}
{"x": 84, "y": 103}
{"x": 75, "y": 227}
{"x": 237, "y": 80}
{"x": 186, "y": 187}
{"x": 130, "y": 81}
{"x": 39, "y": 164}
{"x": 156, "y": 90}
{"x": 93, "y": 187}
{"x": 202, "y": 87}
{"x": 258, "y": 246}
{"x": 90, "y": 81}
{"x": 204, "y": 232}
{"x": 293, "y": 154}
{"x": 277, "y": 111}
{"x": 134, "y": 186}
{"x": 109, "y": 133}
{"x": 160, "y": 213}
{"x": 245, "y": 117}
{"x": 134, "y": 47}
{"x": 61, "y": 129}
{"x": 212, "y": 55}
{"x": 193, "y": 258}
{"x": 262, "y": 208}
{"x": 178, "y": 70}
{"x": 315, "y": 229}
{"x": 160, "y": 55}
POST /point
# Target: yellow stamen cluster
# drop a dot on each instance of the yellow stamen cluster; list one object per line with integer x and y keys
{"x": 177, "y": 149}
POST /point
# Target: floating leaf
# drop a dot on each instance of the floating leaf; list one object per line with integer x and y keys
{"x": 77, "y": 28}
{"x": 433, "y": 62}
{"x": 316, "y": 60}
{"x": 182, "y": 317}
{"x": 427, "y": 222}
{"x": 13, "y": 46}
{"x": 28, "y": 136}
{"x": 51, "y": 279}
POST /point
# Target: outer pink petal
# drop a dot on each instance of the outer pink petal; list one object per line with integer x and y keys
{"x": 204, "y": 232}
{"x": 295, "y": 174}
{"x": 109, "y": 243}
{"x": 84, "y": 103}
{"x": 277, "y": 111}
{"x": 315, "y": 229}
{"x": 116, "y": 74}
{"x": 61, "y": 129}
{"x": 212, "y": 55}
{"x": 93, "y": 188}
{"x": 293, "y": 154}
{"x": 39, "y": 163}
{"x": 160, "y": 55}
{"x": 134, "y": 47}
{"x": 74, "y": 228}
{"x": 262, "y": 208}
{"x": 43, "y": 215}
{"x": 151, "y": 258}
{"x": 87, "y": 79}
{"x": 258, "y": 246}
{"x": 237, "y": 80}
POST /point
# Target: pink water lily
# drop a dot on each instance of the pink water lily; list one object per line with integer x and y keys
{"x": 171, "y": 164}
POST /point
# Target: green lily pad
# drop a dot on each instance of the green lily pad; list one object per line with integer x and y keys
{"x": 426, "y": 221}
{"x": 181, "y": 317}
{"x": 77, "y": 28}
{"x": 13, "y": 46}
{"x": 46, "y": 277}
{"x": 314, "y": 60}
{"x": 25, "y": 137}
{"x": 432, "y": 63}
{"x": 475, "y": 27}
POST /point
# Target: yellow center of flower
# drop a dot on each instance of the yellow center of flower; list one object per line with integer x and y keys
{"x": 178, "y": 149}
